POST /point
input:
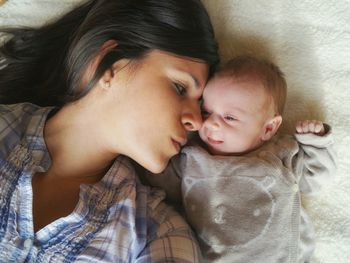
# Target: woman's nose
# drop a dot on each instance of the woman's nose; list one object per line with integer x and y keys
{"x": 191, "y": 118}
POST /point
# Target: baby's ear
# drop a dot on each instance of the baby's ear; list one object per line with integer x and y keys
{"x": 270, "y": 128}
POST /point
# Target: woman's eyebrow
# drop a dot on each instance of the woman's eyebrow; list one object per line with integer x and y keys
{"x": 195, "y": 80}
{"x": 188, "y": 76}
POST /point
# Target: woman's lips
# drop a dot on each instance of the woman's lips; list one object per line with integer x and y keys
{"x": 212, "y": 141}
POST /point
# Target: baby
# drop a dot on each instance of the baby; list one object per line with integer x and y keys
{"x": 241, "y": 185}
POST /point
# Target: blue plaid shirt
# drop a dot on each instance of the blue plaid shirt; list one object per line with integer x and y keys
{"x": 116, "y": 220}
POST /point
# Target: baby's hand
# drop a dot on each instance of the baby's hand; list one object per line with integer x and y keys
{"x": 310, "y": 126}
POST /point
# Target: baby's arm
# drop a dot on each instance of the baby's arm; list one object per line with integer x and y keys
{"x": 317, "y": 154}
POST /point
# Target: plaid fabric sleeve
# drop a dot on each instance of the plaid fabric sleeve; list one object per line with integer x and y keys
{"x": 173, "y": 241}
{"x": 12, "y": 120}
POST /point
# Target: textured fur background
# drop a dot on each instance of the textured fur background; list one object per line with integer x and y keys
{"x": 310, "y": 41}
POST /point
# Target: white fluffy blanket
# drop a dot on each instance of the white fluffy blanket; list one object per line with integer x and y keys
{"x": 310, "y": 41}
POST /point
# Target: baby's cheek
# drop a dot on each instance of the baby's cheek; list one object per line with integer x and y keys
{"x": 201, "y": 133}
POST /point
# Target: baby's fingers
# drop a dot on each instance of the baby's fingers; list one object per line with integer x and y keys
{"x": 319, "y": 128}
{"x": 302, "y": 126}
{"x": 298, "y": 127}
{"x": 310, "y": 126}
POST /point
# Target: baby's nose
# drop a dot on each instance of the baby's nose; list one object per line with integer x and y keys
{"x": 212, "y": 122}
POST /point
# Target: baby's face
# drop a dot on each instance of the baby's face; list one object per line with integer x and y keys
{"x": 234, "y": 112}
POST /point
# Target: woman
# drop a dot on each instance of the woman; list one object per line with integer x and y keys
{"x": 121, "y": 78}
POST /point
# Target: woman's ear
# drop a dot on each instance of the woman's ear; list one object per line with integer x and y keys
{"x": 270, "y": 128}
{"x": 106, "y": 47}
{"x": 106, "y": 79}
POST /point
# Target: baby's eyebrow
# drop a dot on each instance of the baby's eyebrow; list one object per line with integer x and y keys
{"x": 238, "y": 110}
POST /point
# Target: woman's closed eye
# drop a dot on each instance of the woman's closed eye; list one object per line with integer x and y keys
{"x": 180, "y": 88}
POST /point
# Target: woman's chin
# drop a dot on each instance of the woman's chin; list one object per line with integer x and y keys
{"x": 155, "y": 166}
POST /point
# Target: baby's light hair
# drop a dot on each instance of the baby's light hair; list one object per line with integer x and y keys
{"x": 262, "y": 70}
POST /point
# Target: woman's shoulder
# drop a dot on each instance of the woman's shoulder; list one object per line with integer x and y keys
{"x": 14, "y": 117}
{"x": 14, "y": 120}
{"x": 16, "y": 112}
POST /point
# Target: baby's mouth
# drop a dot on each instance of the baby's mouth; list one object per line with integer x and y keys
{"x": 212, "y": 141}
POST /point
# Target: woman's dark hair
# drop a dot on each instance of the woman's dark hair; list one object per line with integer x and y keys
{"x": 45, "y": 65}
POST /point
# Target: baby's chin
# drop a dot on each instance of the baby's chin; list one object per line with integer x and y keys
{"x": 216, "y": 151}
{"x": 213, "y": 151}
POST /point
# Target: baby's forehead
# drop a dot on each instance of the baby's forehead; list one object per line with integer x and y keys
{"x": 229, "y": 77}
{"x": 249, "y": 88}
{"x": 229, "y": 81}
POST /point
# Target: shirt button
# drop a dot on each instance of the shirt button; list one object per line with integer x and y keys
{"x": 295, "y": 188}
{"x": 28, "y": 243}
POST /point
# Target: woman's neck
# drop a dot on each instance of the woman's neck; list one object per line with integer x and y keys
{"x": 73, "y": 142}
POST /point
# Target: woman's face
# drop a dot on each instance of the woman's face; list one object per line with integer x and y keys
{"x": 151, "y": 106}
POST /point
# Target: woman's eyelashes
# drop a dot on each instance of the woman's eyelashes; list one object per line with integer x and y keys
{"x": 180, "y": 88}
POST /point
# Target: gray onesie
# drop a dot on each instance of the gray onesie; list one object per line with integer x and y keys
{"x": 248, "y": 208}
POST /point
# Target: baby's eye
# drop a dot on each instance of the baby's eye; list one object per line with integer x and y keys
{"x": 205, "y": 114}
{"x": 180, "y": 88}
{"x": 230, "y": 118}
